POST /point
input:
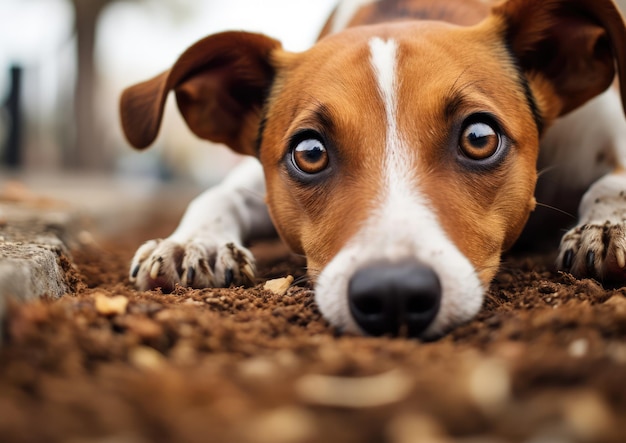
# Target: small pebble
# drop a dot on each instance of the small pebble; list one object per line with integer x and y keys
{"x": 111, "y": 305}
{"x": 184, "y": 352}
{"x": 257, "y": 368}
{"x": 145, "y": 327}
{"x": 350, "y": 392}
{"x": 490, "y": 384}
{"x": 146, "y": 358}
{"x": 589, "y": 416}
{"x": 286, "y": 359}
{"x": 578, "y": 348}
{"x": 279, "y": 286}
{"x": 288, "y": 424}
{"x": 413, "y": 428}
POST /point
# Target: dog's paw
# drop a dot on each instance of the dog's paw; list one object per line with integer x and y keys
{"x": 198, "y": 263}
{"x": 596, "y": 249}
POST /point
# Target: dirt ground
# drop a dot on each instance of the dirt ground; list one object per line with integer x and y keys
{"x": 545, "y": 361}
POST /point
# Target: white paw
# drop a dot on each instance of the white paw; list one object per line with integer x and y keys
{"x": 198, "y": 263}
{"x": 596, "y": 249}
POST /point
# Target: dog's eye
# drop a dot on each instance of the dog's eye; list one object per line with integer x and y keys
{"x": 310, "y": 156}
{"x": 479, "y": 140}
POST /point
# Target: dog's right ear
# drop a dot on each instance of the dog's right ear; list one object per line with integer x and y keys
{"x": 220, "y": 82}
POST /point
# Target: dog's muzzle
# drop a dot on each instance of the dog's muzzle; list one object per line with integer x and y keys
{"x": 400, "y": 298}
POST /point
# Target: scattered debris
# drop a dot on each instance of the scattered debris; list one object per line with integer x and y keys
{"x": 146, "y": 358}
{"x": 490, "y": 384}
{"x": 354, "y": 392}
{"x": 578, "y": 348}
{"x": 111, "y": 305}
{"x": 414, "y": 428}
{"x": 287, "y": 424}
{"x": 589, "y": 416}
{"x": 279, "y": 286}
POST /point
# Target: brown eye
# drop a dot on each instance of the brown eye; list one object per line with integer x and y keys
{"x": 479, "y": 141}
{"x": 310, "y": 156}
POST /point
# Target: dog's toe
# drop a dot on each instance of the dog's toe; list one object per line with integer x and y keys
{"x": 157, "y": 264}
{"x": 235, "y": 265}
{"x": 197, "y": 266}
{"x": 596, "y": 250}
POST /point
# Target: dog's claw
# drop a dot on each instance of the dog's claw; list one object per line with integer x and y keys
{"x": 590, "y": 262}
{"x": 191, "y": 275}
{"x": 568, "y": 258}
{"x": 134, "y": 272}
{"x": 155, "y": 269}
{"x": 248, "y": 272}
{"x": 228, "y": 277}
{"x": 620, "y": 256}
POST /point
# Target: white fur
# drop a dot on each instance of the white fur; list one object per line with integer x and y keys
{"x": 570, "y": 151}
{"x": 345, "y": 11}
{"x": 403, "y": 226}
{"x": 213, "y": 229}
{"x": 570, "y": 147}
{"x": 601, "y": 229}
{"x": 235, "y": 208}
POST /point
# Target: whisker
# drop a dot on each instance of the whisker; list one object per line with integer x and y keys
{"x": 300, "y": 280}
{"x": 546, "y": 170}
{"x": 557, "y": 210}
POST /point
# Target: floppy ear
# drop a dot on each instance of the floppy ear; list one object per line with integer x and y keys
{"x": 573, "y": 44}
{"x": 220, "y": 82}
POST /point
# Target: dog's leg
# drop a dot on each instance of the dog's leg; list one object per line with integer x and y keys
{"x": 206, "y": 249}
{"x": 597, "y": 246}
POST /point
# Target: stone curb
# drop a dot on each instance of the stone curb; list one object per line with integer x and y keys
{"x": 34, "y": 252}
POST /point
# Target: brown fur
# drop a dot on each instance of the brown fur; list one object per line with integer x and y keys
{"x": 487, "y": 206}
{"x": 447, "y": 72}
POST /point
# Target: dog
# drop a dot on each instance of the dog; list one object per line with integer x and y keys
{"x": 400, "y": 153}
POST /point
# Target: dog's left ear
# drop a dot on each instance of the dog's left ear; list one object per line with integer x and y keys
{"x": 573, "y": 44}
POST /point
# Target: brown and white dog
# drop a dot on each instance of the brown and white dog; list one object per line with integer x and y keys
{"x": 400, "y": 153}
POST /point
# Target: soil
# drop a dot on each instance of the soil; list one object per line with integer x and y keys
{"x": 545, "y": 361}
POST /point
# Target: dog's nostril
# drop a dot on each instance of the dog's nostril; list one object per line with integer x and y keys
{"x": 369, "y": 305}
{"x": 420, "y": 304}
{"x": 385, "y": 298}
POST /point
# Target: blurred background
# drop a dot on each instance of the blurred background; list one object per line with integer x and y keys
{"x": 64, "y": 63}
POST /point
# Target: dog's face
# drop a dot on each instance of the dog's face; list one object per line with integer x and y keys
{"x": 404, "y": 146}
{"x": 400, "y": 158}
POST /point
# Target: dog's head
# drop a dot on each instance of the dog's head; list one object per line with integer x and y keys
{"x": 400, "y": 158}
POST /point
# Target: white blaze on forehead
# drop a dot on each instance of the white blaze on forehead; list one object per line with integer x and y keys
{"x": 403, "y": 224}
{"x": 384, "y": 62}
{"x": 345, "y": 12}
{"x": 398, "y": 158}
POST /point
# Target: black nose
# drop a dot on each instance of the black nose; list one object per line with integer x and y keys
{"x": 391, "y": 298}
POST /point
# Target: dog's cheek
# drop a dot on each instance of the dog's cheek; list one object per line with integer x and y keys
{"x": 287, "y": 223}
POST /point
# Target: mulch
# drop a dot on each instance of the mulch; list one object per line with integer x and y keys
{"x": 544, "y": 361}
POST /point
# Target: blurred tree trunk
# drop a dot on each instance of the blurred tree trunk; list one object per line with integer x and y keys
{"x": 87, "y": 151}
